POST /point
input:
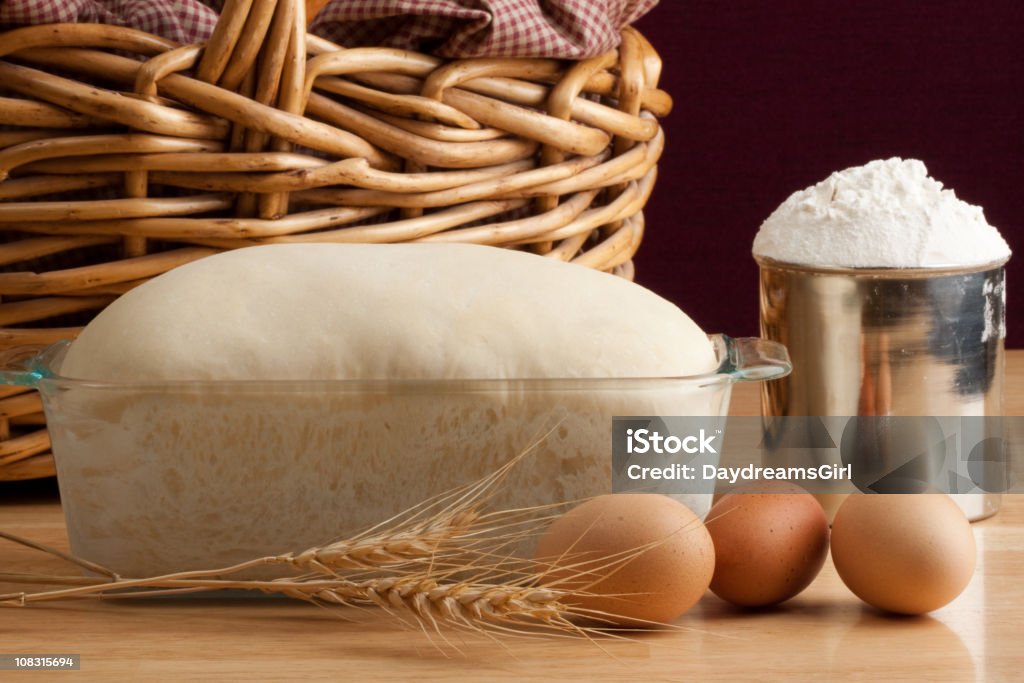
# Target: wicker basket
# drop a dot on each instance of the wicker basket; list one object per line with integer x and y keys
{"x": 123, "y": 155}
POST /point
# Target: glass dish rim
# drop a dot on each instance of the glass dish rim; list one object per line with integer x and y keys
{"x": 39, "y": 374}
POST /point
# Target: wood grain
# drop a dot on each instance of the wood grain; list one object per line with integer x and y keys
{"x": 823, "y": 634}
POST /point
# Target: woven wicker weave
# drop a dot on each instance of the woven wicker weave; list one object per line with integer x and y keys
{"x": 123, "y": 155}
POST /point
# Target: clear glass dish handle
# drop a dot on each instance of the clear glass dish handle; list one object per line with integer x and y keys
{"x": 753, "y": 359}
{"x": 24, "y": 366}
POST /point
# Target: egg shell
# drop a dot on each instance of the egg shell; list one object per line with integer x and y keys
{"x": 658, "y": 584}
{"x": 771, "y": 540}
{"x": 903, "y": 553}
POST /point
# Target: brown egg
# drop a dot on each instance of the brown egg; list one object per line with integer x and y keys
{"x": 908, "y": 554}
{"x": 770, "y": 540}
{"x": 661, "y": 581}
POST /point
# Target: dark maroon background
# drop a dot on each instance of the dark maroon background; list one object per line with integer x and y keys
{"x": 773, "y": 96}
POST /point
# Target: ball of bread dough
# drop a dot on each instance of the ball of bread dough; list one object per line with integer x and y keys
{"x": 355, "y": 311}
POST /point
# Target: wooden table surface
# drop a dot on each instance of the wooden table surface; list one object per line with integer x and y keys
{"x": 823, "y": 634}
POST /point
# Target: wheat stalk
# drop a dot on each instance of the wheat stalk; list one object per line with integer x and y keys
{"x": 444, "y": 561}
{"x": 509, "y": 595}
{"x": 459, "y": 603}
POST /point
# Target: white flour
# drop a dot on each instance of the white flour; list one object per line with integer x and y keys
{"x": 885, "y": 214}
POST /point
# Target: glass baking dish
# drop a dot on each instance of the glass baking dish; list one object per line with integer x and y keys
{"x": 166, "y": 476}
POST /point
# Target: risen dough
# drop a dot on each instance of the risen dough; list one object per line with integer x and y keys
{"x": 161, "y": 478}
{"x": 333, "y": 311}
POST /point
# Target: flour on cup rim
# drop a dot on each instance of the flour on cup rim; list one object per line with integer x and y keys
{"x": 885, "y": 214}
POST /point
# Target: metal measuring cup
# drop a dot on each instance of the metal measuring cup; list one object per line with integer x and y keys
{"x": 887, "y": 342}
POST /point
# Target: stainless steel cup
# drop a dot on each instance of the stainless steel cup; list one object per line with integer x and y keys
{"x": 887, "y": 342}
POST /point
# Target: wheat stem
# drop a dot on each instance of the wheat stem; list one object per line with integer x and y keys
{"x": 85, "y": 564}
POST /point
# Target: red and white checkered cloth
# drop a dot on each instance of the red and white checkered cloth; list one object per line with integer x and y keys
{"x": 568, "y": 29}
{"x": 183, "y": 21}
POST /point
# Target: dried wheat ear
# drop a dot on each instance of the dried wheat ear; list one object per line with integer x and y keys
{"x": 446, "y": 561}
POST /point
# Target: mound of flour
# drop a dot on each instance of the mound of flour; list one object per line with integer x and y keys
{"x": 885, "y": 214}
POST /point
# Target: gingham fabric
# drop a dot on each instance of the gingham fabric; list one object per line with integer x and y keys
{"x": 183, "y": 21}
{"x": 568, "y": 29}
